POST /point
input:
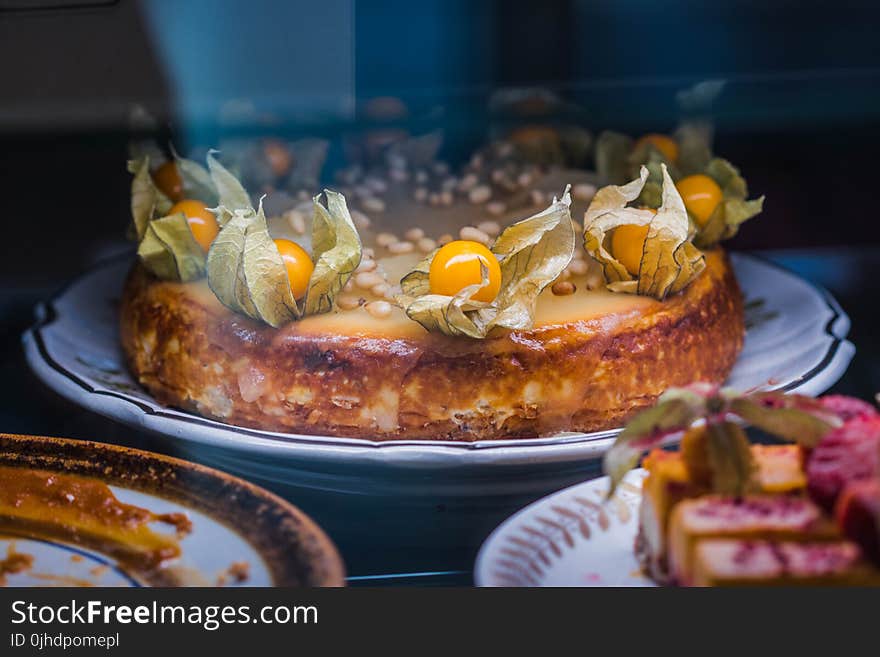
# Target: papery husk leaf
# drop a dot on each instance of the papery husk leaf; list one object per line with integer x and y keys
{"x": 725, "y": 220}
{"x": 197, "y": 183}
{"x": 531, "y": 253}
{"x": 607, "y": 211}
{"x": 647, "y": 154}
{"x": 224, "y": 264}
{"x": 728, "y": 177}
{"x": 694, "y": 140}
{"x": 674, "y": 412}
{"x": 730, "y": 459}
{"x": 147, "y": 200}
{"x": 612, "y": 157}
{"x": 140, "y": 148}
{"x": 231, "y": 194}
{"x": 651, "y": 195}
{"x": 169, "y": 250}
{"x": 576, "y": 145}
{"x": 417, "y": 282}
{"x": 457, "y": 315}
{"x": 336, "y": 250}
{"x": 798, "y": 419}
{"x": 734, "y": 209}
{"x": 267, "y": 285}
{"x": 669, "y": 261}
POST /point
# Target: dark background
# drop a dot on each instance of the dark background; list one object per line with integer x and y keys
{"x": 800, "y": 114}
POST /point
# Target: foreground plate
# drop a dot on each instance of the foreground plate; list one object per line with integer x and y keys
{"x": 572, "y": 538}
{"x": 795, "y": 341}
{"x": 236, "y": 527}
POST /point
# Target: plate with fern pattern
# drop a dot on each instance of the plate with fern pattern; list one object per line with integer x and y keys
{"x": 571, "y": 538}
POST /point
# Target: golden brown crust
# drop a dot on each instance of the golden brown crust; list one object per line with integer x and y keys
{"x": 579, "y": 376}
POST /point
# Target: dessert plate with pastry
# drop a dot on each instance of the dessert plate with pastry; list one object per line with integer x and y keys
{"x": 412, "y": 320}
{"x": 719, "y": 511}
{"x": 77, "y": 513}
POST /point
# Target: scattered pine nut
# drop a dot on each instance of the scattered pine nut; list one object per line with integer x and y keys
{"x": 296, "y": 220}
{"x": 563, "y": 288}
{"x": 492, "y": 228}
{"x": 373, "y": 204}
{"x": 384, "y": 239}
{"x": 379, "y": 309}
{"x": 426, "y": 245}
{"x": 474, "y": 234}
{"x": 401, "y": 247}
{"x": 346, "y": 302}
{"x": 368, "y": 279}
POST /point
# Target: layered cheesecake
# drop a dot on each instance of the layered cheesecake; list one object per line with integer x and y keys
{"x": 414, "y": 303}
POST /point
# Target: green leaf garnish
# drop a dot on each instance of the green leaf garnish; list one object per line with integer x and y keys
{"x": 669, "y": 260}
{"x": 531, "y": 254}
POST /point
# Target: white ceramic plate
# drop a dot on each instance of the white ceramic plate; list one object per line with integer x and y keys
{"x": 233, "y": 524}
{"x": 796, "y": 341}
{"x": 571, "y": 538}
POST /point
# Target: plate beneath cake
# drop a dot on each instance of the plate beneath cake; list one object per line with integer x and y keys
{"x": 571, "y": 538}
{"x": 224, "y": 531}
{"x": 796, "y": 340}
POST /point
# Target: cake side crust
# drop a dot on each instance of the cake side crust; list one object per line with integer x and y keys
{"x": 578, "y": 376}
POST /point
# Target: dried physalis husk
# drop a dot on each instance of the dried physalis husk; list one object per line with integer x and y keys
{"x": 166, "y": 245}
{"x": 169, "y": 250}
{"x": 246, "y": 271}
{"x": 694, "y": 139}
{"x": 336, "y": 249}
{"x": 619, "y": 158}
{"x": 196, "y": 179}
{"x": 669, "y": 261}
{"x": 147, "y": 200}
{"x": 531, "y": 254}
{"x": 734, "y": 208}
{"x": 231, "y": 194}
{"x": 612, "y": 157}
{"x": 794, "y": 418}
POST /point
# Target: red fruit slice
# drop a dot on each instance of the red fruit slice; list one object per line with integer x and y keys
{"x": 858, "y": 515}
{"x": 848, "y": 408}
{"x": 847, "y": 454}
